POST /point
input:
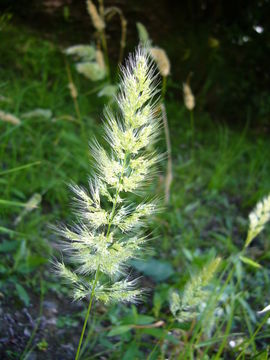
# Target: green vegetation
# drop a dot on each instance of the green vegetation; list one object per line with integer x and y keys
{"x": 216, "y": 183}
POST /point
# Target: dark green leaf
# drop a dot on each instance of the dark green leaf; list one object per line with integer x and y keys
{"x": 7, "y": 246}
{"x": 22, "y": 294}
{"x": 156, "y": 269}
{"x": 119, "y": 330}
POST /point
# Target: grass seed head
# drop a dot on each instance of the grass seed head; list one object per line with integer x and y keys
{"x": 162, "y": 60}
{"x": 96, "y": 18}
{"x": 258, "y": 219}
{"x": 185, "y": 308}
{"x": 106, "y": 238}
{"x": 189, "y": 98}
{"x": 73, "y": 90}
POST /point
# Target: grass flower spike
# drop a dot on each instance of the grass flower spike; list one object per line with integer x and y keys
{"x": 258, "y": 219}
{"x": 96, "y": 18}
{"x": 187, "y": 307}
{"x": 106, "y": 237}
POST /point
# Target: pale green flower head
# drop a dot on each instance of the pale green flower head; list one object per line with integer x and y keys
{"x": 109, "y": 230}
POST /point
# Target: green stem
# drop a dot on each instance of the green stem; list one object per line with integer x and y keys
{"x": 88, "y": 313}
{"x": 159, "y": 341}
{"x": 101, "y": 9}
{"x": 169, "y": 174}
{"x": 105, "y": 50}
{"x": 76, "y": 105}
{"x": 164, "y": 88}
{"x": 227, "y": 331}
{"x": 192, "y": 127}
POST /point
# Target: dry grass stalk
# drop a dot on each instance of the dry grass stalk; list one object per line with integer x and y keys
{"x": 109, "y": 13}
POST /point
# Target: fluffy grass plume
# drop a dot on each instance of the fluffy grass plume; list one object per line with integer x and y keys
{"x": 187, "y": 307}
{"x": 258, "y": 219}
{"x": 108, "y": 232}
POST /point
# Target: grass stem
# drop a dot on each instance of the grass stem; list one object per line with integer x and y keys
{"x": 88, "y": 313}
{"x": 76, "y": 104}
{"x": 105, "y": 50}
{"x": 169, "y": 174}
{"x": 192, "y": 127}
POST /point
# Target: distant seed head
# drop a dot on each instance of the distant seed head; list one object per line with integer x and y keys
{"x": 100, "y": 59}
{"x": 162, "y": 60}
{"x": 73, "y": 90}
{"x": 195, "y": 293}
{"x": 189, "y": 98}
{"x": 96, "y": 18}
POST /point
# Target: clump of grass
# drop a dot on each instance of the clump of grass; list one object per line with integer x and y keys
{"x": 198, "y": 301}
{"x": 99, "y": 247}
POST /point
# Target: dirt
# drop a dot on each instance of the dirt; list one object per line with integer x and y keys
{"x": 52, "y": 339}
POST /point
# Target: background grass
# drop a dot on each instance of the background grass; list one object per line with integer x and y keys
{"x": 215, "y": 186}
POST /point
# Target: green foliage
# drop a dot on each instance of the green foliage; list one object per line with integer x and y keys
{"x": 156, "y": 269}
{"x": 42, "y": 345}
{"x": 211, "y": 195}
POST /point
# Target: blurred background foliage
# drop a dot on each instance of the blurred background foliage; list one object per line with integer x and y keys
{"x": 224, "y": 45}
